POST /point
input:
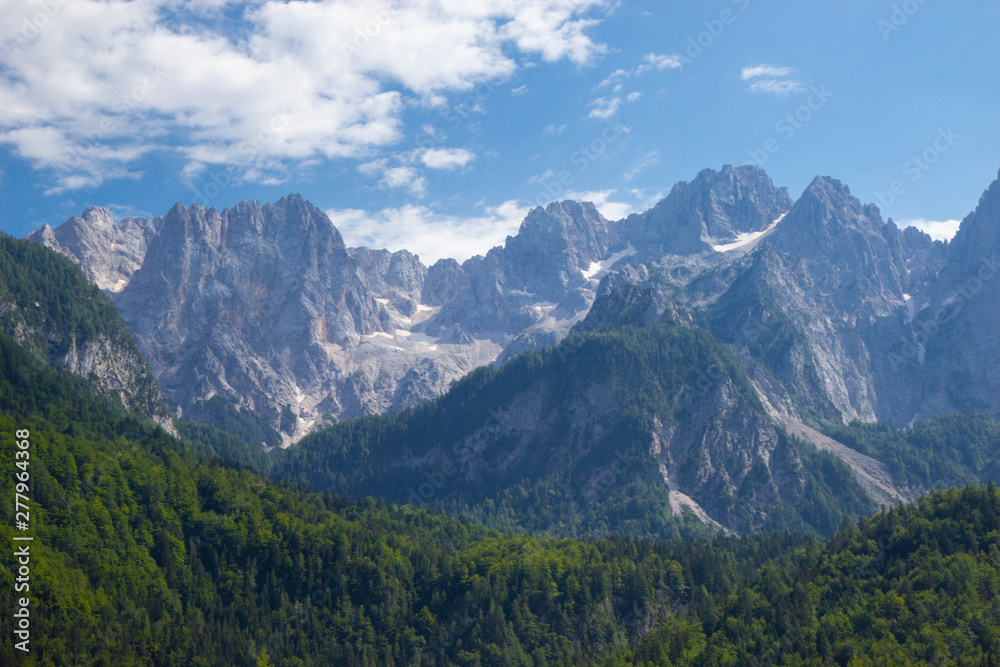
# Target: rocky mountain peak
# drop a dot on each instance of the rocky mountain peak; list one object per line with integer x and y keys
{"x": 979, "y": 235}
{"x": 715, "y": 208}
{"x": 827, "y": 201}
{"x": 109, "y": 252}
{"x": 847, "y": 247}
{"x": 565, "y": 235}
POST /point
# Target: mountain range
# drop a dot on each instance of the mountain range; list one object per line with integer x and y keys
{"x": 715, "y": 343}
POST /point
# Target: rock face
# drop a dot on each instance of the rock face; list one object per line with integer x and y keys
{"x": 265, "y": 306}
{"x": 109, "y": 252}
{"x": 953, "y": 332}
{"x": 256, "y": 303}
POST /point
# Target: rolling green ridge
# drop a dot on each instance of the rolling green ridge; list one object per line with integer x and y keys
{"x": 916, "y": 585}
{"x": 551, "y": 488}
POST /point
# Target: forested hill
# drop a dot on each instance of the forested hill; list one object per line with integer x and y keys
{"x": 146, "y": 552}
{"x": 633, "y": 430}
{"x": 48, "y": 307}
{"x": 916, "y": 585}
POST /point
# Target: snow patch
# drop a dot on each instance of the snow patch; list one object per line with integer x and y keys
{"x": 745, "y": 239}
{"x": 598, "y": 270}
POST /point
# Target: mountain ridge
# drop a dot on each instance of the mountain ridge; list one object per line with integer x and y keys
{"x": 401, "y": 332}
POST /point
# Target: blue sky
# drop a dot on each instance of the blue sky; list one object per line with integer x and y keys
{"x": 436, "y": 124}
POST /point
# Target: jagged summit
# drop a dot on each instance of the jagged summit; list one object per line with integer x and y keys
{"x": 717, "y": 207}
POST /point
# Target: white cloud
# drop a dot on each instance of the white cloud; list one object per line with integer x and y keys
{"x": 651, "y": 61}
{"x": 939, "y": 230}
{"x": 614, "y": 78}
{"x": 771, "y": 79}
{"x": 776, "y": 86}
{"x": 428, "y": 234}
{"x": 654, "y": 61}
{"x": 612, "y": 210}
{"x": 554, "y": 129}
{"x": 520, "y": 90}
{"x": 104, "y": 82}
{"x": 604, "y": 108}
{"x": 446, "y": 158}
{"x": 400, "y": 171}
{"x": 647, "y": 197}
{"x": 396, "y": 177}
{"x": 770, "y": 71}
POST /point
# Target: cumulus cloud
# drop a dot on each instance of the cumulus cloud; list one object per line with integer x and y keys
{"x": 604, "y": 108}
{"x": 776, "y": 86}
{"x": 396, "y": 177}
{"x": 94, "y": 85}
{"x": 432, "y": 235}
{"x": 614, "y": 79}
{"x": 427, "y": 233}
{"x": 939, "y": 230}
{"x": 446, "y": 158}
{"x": 401, "y": 170}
